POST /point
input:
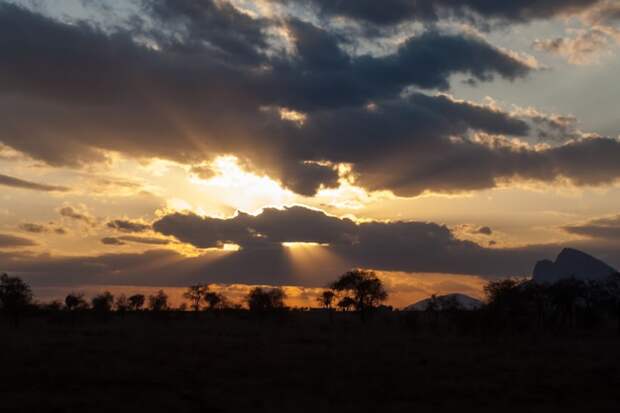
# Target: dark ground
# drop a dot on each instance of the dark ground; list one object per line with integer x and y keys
{"x": 298, "y": 363}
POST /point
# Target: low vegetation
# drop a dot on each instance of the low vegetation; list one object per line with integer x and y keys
{"x": 531, "y": 346}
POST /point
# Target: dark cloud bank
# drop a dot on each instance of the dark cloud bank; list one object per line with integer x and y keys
{"x": 389, "y": 246}
{"x": 391, "y": 12}
{"x": 603, "y": 228}
{"x": 125, "y": 225}
{"x": 217, "y": 77}
{"x": 13, "y": 182}
{"x": 12, "y": 241}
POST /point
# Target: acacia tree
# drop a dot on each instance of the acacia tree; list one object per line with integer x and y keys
{"x": 346, "y": 303}
{"x": 363, "y": 287}
{"x": 75, "y": 301}
{"x": 565, "y": 294}
{"x": 158, "y": 302}
{"x": 195, "y": 294}
{"x": 612, "y": 285}
{"x": 122, "y": 304}
{"x": 136, "y": 302}
{"x": 613, "y": 288}
{"x": 214, "y": 300}
{"x": 326, "y": 299}
{"x": 261, "y": 300}
{"x": 102, "y": 303}
{"x": 15, "y": 296}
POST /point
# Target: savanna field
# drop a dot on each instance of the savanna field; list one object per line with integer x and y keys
{"x": 297, "y": 361}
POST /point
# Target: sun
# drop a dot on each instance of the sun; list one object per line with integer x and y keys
{"x": 240, "y": 189}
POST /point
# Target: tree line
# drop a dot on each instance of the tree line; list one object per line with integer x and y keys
{"x": 566, "y": 304}
{"x": 510, "y": 305}
{"x": 357, "y": 289}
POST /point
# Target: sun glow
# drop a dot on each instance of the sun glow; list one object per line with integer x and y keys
{"x": 306, "y": 257}
{"x": 241, "y": 189}
{"x": 303, "y": 244}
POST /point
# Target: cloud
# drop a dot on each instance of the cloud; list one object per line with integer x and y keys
{"x": 212, "y": 80}
{"x": 271, "y": 226}
{"x": 597, "y": 38}
{"x": 586, "y": 47}
{"x": 41, "y": 228}
{"x": 214, "y": 25}
{"x": 392, "y": 246}
{"x": 462, "y": 166}
{"x": 219, "y": 94}
{"x": 78, "y": 215}
{"x": 484, "y": 231}
{"x": 131, "y": 238}
{"x": 22, "y": 184}
{"x": 34, "y": 228}
{"x": 125, "y": 225}
{"x": 603, "y": 228}
{"x": 607, "y": 12}
{"x": 293, "y": 246}
{"x": 277, "y": 266}
{"x": 391, "y": 12}
{"x": 111, "y": 241}
{"x": 12, "y": 241}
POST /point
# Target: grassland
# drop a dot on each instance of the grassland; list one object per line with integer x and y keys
{"x": 297, "y": 362}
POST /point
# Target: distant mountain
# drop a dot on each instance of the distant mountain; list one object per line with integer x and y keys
{"x": 448, "y": 301}
{"x": 571, "y": 263}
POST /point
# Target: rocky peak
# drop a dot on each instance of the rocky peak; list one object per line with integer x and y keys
{"x": 571, "y": 263}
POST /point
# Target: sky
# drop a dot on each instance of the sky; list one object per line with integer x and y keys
{"x": 440, "y": 143}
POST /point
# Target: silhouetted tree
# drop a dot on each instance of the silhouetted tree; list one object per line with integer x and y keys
{"x": 136, "y": 302}
{"x": 158, "y": 302}
{"x": 15, "y": 296}
{"x": 564, "y": 295}
{"x": 346, "y": 303}
{"x": 508, "y": 305}
{"x": 195, "y": 294}
{"x": 261, "y": 300}
{"x": 75, "y": 301}
{"x": 538, "y": 295}
{"x": 613, "y": 289}
{"x": 364, "y": 287}
{"x": 122, "y": 304}
{"x": 326, "y": 299}
{"x": 215, "y": 300}
{"x": 102, "y": 303}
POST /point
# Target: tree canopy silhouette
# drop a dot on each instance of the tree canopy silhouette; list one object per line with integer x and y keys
{"x": 136, "y": 302}
{"x": 103, "y": 303}
{"x": 159, "y": 301}
{"x": 326, "y": 299}
{"x": 15, "y": 296}
{"x": 363, "y": 287}
{"x": 122, "y": 304}
{"x": 195, "y": 294}
{"x": 346, "y": 303}
{"x": 75, "y": 301}
{"x": 215, "y": 300}
{"x": 263, "y": 300}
